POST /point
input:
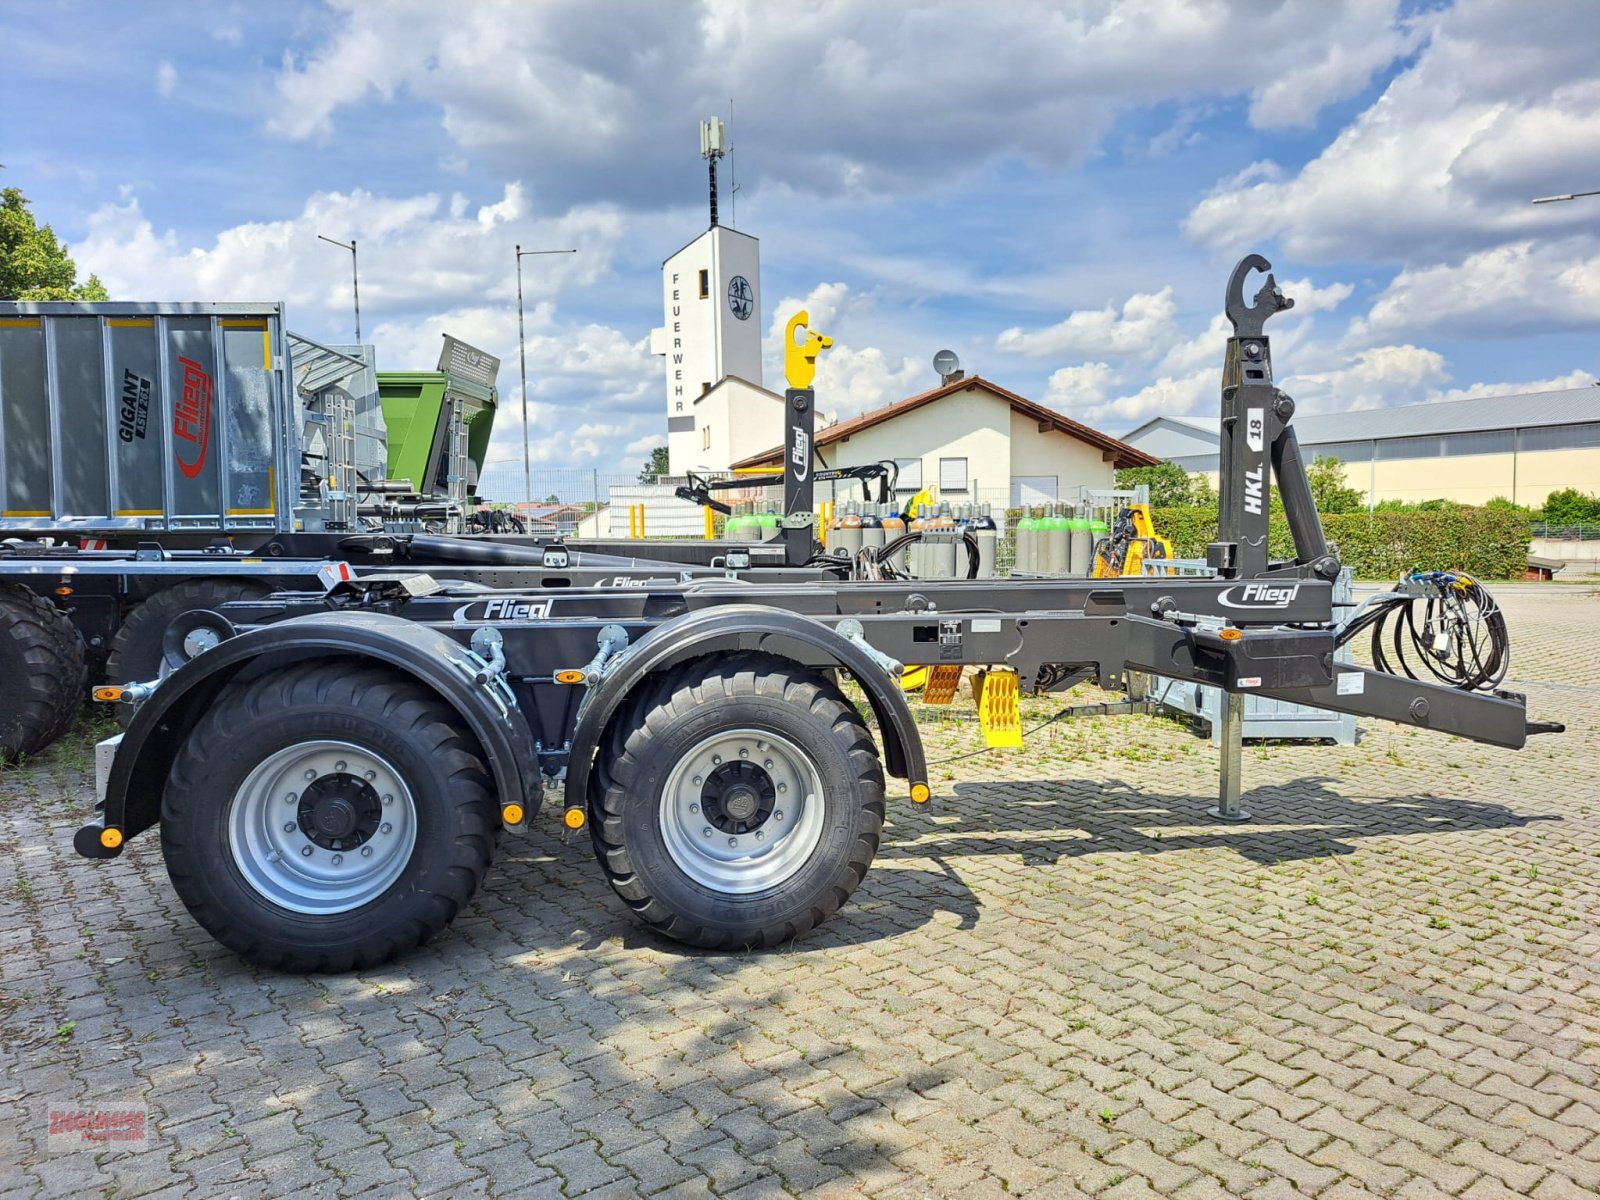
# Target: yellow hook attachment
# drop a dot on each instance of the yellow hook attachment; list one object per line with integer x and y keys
{"x": 800, "y": 361}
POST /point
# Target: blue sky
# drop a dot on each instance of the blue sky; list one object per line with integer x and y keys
{"x": 1055, "y": 190}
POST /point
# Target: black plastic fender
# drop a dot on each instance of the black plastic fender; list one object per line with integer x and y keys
{"x": 747, "y": 627}
{"x": 139, "y": 771}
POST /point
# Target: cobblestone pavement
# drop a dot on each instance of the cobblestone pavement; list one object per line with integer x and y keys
{"x": 1060, "y": 979}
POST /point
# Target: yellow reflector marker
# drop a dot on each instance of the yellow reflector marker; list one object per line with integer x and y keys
{"x": 575, "y": 818}
{"x": 111, "y": 838}
{"x": 569, "y": 676}
{"x": 1230, "y": 635}
{"x": 108, "y": 694}
{"x": 511, "y": 814}
{"x": 920, "y": 793}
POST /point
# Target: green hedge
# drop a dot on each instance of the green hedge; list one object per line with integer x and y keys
{"x": 1487, "y": 542}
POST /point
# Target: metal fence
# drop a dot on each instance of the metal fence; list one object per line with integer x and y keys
{"x": 1574, "y": 531}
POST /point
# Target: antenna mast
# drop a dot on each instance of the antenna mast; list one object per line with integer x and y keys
{"x": 713, "y": 145}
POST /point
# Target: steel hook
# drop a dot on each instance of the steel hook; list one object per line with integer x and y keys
{"x": 1248, "y": 321}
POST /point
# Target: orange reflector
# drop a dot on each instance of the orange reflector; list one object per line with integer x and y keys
{"x": 569, "y": 676}
{"x": 111, "y": 838}
{"x": 511, "y": 814}
{"x": 63, "y": 591}
{"x": 920, "y": 793}
{"x": 575, "y": 818}
{"x": 1230, "y": 635}
{"x": 109, "y": 694}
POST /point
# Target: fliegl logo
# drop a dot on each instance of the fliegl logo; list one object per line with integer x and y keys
{"x": 503, "y": 608}
{"x": 1260, "y": 595}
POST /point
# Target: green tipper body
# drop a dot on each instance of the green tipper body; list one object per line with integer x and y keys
{"x": 416, "y": 405}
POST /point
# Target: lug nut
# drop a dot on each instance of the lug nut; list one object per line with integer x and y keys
{"x": 305, "y": 851}
{"x": 290, "y": 798}
{"x": 716, "y": 760}
{"x": 760, "y": 836}
{"x": 337, "y": 859}
{"x": 744, "y": 753}
{"x": 706, "y": 831}
{"x": 733, "y": 841}
{"x": 311, "y": 774}
{"x": 767, "y": 763}
{"x": 366, "y": 852}
{"x": 388, "y": 799}
{"x": 778, "y": 816}
{"x": 696, "y": 781}
{"x": 339, "y": 767}
{"x": 783, "y": 787}
{"x": 386, "y": 828}
{"x": 369, "y": 776}
{"x": 290, "y": 827}
{"x": 694, "y": 808}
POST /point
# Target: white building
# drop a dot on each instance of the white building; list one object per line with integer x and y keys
{"x": 711, "y": 343}
{"x": 970, "y": 441}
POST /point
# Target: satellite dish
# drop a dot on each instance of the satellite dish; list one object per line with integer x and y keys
{"x": 946, "y": 363}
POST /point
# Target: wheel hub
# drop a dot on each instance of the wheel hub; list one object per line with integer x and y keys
{"x": 340, "y": 812}
{"x": 738, "y": 797}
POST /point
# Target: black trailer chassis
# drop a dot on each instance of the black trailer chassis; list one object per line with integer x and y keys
{"x": 330, "y": 772}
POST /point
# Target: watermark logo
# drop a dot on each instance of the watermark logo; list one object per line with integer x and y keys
{"x": 97, "y": 1126}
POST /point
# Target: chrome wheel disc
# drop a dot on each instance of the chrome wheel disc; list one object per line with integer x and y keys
{"x": 322, "y": 827}
{"x": 742, "y": 811}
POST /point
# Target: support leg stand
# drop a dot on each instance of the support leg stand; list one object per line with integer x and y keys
{"x": 1227, "y": 808}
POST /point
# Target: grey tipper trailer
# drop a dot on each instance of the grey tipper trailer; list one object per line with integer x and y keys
{"x": 151, "y": 418}
{"x": 331, "y": 773}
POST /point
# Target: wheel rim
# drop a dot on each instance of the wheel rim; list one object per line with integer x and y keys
{"x": 322, "y": 827}
{"x": 742, "y": 811}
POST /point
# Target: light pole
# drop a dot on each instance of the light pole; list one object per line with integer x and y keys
{"x": 1563, "y": 196}
{"x": 355, "y": 276}
{"x": 522, "y": 361}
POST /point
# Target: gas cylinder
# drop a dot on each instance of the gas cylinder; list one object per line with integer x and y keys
{"x": 1081, "y": 546}
{"x": 871, "y": 528}
{"x": 767, "y": 525}
{"x": 894, "y": 527}
{"x": 939, "y": 557}
{"x": 1097, "y": 530}
{"x": 1027, "y": 539}
{"x": 1053, "y": 531}
{"x": 983, "y": 528}
{"x": 849, "y": 538}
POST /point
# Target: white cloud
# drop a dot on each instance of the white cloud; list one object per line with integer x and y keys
{"x": 1572, "y": 379}
{"x": 1079, "y": 387}
{"x": 1520, "y": 287}
{"x": 166, "y": 78}
{"x": 1371, "y": 378}
{"x": 1500, "y": 105}
{"x": 1039, "y": 79}
{"x": 1137, "y": 329}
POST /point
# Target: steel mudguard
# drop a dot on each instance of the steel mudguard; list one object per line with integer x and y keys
{"x": 132, "y": 801}
{"x": 746, "y": 627}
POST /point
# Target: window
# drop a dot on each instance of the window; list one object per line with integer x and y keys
{"x": 1487, "y": 441}
{"x": 705, "y": 285}
{"x": 952, "y": 475}
{"x": 1197, "y": 462}
{"x": 910, "y": 479}
{"x": 1030, "y": 490}
{"x": 1431, "y": 446}
{"x": 1559, "y": 437}
{"x": 1345, "y": 452}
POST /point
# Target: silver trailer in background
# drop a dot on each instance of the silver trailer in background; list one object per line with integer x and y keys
{"x": 118, "y": 418}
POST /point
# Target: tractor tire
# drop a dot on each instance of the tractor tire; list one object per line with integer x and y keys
{"x": 737, "y": 803}
{"x": 44, "y": 676}
{"x": 136, "y": 651}
{"x": 327, "y": 817}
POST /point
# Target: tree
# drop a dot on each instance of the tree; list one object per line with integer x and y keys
{"x": 1569, "y": 506}
{"x": 1168, "y": 483}
{"x": 655, "y": 467}
{"x": 1326, "y": 476}
{"x": 33, "y": 264}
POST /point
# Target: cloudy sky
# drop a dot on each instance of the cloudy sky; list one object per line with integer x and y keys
{"x": 1055, "y": 190}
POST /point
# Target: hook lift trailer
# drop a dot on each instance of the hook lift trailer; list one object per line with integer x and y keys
{"x": 330, "y": 773}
